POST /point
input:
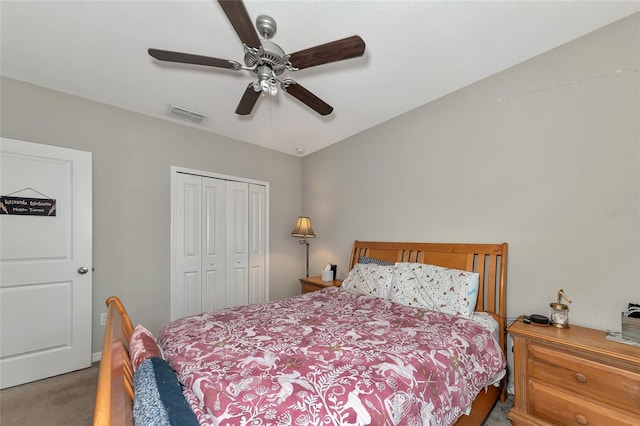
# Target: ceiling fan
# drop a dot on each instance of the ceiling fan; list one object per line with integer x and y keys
{"x": 268, "y": 60}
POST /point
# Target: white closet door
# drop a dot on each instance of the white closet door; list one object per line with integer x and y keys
{"x": 213, "y": 243}
{"x": 219, "y": 243}
{"x": 186, "y": 297}
{"x": 257, "y": 244}
{"x": 237, "y": 277}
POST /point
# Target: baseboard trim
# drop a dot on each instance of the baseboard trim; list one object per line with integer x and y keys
{"x": 96, "y": 356}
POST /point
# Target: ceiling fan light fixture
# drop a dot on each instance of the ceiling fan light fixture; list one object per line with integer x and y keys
{"x": 185, "y": 114}
{"x": 267, "y": 83}
{"x": 268, "y": 88}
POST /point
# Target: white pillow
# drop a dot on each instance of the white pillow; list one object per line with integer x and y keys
{"x": 434, "y": 288}
{"x": 370, "y": 279}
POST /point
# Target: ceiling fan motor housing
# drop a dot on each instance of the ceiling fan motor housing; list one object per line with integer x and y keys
{"x": 270, "y": 54}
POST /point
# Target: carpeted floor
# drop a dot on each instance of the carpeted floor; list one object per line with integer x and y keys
{"x": 68, "y": 400}
{"x": 498, "y": 416}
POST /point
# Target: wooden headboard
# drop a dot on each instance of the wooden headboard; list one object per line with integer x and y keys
{"x": 488, "y": 260}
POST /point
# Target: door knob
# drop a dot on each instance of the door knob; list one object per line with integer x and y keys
{"x": 83, "y": 270}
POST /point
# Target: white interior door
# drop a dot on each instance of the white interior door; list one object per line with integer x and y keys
{"x": 46, "y": 279}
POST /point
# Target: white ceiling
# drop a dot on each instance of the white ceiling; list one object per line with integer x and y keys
{"x": 416, "y": 51}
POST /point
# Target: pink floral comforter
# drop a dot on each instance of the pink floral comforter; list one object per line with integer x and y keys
{"x": 330, "y": 357}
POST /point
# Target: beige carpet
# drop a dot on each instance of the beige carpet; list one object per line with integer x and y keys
{"x": 68, "y": 400}
{"x": 65, "y": 400}
{"x": 498, "y": 416}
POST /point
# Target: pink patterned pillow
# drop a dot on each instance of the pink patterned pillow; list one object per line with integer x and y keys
{"x": 142, "y": 346}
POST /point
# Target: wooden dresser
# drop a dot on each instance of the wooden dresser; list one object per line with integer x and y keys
{"x": 573, "y": 376}
{"x": 310, "y": 284}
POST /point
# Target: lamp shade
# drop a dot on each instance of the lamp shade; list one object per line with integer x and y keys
{"x": 303, "y": 228}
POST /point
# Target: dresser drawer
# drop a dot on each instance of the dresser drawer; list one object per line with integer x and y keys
{"x": 614, "y": 386}
{"x": 562, "y": 408}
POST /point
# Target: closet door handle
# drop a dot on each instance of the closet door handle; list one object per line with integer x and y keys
{"x": 83, "y": 270}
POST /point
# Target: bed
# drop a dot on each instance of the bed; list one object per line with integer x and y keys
{"x": 356, "y": 399}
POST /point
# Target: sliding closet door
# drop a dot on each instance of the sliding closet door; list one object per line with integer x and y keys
{"x": 257, "y": 244}
{"x": 237, "y": 242}
{"x": 219, "y": 256}
{"x": 214, "y": 257}
{"x": 186, "y": 290}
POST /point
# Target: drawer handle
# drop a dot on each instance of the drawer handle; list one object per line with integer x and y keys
{"x": 581, "y": 378}
{"x": 582, "y": 420}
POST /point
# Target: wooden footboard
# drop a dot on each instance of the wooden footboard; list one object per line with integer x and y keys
{"x": 114, "y": 398}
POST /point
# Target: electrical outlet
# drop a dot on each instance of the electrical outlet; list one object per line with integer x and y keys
{"x": 103, "y": 319}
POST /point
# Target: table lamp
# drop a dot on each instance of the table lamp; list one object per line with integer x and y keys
{"x": 303, "y": 230}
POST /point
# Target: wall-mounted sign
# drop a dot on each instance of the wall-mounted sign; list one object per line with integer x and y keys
{"x": 27, "y": 206}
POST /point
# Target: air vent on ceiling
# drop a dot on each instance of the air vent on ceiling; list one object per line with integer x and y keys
{"x": 186, "y": 114}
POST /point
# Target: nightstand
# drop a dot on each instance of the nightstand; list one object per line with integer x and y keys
{"x": 310, "y": 284}
{"x": 573, "y": 376}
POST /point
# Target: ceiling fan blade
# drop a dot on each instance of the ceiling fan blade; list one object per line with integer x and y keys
{"x": 307, "y": 98}
{"x": 239, "y": 18}
{"x": 248, "y": 100}
{"x": 338, "y": 50}
{"x": 188, "y": 58}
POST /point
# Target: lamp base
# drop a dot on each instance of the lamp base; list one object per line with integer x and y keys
{"x": 306, "y": 242}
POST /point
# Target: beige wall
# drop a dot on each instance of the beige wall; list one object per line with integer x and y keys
{"x": 132, "y": 155}
{"x": 544, "y": 156}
